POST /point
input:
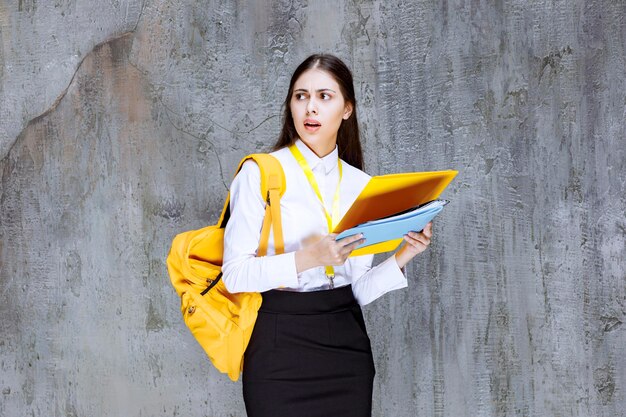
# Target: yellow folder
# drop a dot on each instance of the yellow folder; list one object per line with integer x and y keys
{"x": 386, "y": 195}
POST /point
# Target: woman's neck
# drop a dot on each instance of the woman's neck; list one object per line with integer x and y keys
{"x": 321, "y": 148}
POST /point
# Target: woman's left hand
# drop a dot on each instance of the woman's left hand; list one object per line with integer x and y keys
{"x": 415, "y": 243}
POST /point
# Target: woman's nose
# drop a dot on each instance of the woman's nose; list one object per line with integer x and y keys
{"x": 311, "y": 106}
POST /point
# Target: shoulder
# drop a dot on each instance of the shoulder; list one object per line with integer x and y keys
{"x": 247, "y": 181}
{"x": 249, "y": 171}
{"x": 284, "y": 157}
{"x": 249, "y": 175}
{"x": 354, "y": 172}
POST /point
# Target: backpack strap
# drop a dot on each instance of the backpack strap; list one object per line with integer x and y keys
{"x": 273, "y": 186}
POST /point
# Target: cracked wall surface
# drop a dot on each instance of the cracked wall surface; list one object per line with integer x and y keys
{"x": 42, "y": 43}
{"x": 516, "y": 309}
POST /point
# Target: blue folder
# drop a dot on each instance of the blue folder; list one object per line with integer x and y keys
{"x": 396, "y": 226}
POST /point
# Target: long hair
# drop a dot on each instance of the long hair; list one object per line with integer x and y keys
{"x": 348, "y": 138}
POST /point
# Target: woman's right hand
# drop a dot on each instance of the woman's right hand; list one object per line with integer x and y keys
{"x": 327, "y": 251}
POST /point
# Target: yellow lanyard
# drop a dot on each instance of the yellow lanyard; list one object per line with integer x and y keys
{"x": 331, "y": 220}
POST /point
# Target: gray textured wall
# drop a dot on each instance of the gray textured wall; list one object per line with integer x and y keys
{"x": 121, "y": 123}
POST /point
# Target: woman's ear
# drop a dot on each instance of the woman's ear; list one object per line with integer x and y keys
{"x": 347, "y": 111}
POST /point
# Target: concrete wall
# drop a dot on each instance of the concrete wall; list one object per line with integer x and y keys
{"x": 121, "y": 125}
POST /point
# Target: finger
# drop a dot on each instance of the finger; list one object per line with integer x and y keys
{"x": 428, "y": 230}
{"x": 341, "y": 254}
{"x": 419, "y": 237}
{"x": 415, "y": 244}
{"x": 350, "y": 239}
{"x": 350, "y": 247}
{"x": 347, "y": 249}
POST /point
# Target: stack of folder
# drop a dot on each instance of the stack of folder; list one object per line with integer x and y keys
{"x": 392, "y": 205}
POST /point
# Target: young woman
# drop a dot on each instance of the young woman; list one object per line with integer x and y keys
{"x": 309, "y": 354}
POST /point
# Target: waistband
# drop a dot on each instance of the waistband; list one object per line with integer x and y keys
{"x": 312, "y": 302}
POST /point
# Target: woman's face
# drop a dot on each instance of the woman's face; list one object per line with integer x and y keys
{"x": 318, "y": 107}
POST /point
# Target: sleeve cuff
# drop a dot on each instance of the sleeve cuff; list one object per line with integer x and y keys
{"x": 282, "y": 270}
{"x": 395, "y": 277}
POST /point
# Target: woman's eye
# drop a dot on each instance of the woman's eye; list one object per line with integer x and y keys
{"x": 299, "y": 96}
{"x": 325, "y": 96}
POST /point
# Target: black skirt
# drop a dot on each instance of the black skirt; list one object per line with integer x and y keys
{"x": 309, "y": 356}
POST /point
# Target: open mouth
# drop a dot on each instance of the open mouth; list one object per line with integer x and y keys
{"x": 311, "y": 124}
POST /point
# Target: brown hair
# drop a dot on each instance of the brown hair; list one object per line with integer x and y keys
{"x": 348, "y": 138}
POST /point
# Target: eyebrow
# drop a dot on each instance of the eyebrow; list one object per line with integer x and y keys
{"x": 319, "y": 91}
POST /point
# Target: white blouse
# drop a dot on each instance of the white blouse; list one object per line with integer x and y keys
{"x": 303, "y": 221}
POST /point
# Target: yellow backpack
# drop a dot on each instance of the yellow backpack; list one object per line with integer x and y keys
{"x": 220, "y": 321}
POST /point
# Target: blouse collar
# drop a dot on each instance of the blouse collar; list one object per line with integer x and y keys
{"x": 329, "y": 162}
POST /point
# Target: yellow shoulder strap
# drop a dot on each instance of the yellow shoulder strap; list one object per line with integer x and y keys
{"x": 273, "y": 186}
